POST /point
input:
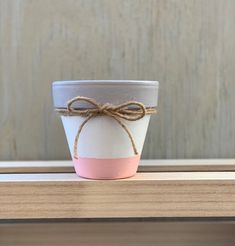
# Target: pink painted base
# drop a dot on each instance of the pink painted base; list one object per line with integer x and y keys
{"x": 119, "y": 168}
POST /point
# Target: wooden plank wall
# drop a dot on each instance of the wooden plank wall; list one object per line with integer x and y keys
{"x": 187, "y": 45}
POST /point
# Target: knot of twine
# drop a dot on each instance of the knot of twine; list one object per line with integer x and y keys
{"x": 116, "y": 112}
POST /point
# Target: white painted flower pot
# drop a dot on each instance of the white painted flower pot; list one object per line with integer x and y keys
{"x": 104, "y": 148}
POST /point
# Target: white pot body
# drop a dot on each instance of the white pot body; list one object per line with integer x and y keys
{"x": 102, "y": 137}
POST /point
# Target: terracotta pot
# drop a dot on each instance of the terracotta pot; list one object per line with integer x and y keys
{"x": 104, "y": 148}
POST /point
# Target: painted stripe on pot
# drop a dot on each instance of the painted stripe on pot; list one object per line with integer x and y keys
{"x": 94, "y": 168}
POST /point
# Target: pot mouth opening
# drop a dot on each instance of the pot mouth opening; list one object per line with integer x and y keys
{"x": 106, "y": 82}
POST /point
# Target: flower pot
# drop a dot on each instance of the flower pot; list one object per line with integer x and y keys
{"x": 105, "y": 150}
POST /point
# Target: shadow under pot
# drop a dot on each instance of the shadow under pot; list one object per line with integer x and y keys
{"x": 105, "y": 122}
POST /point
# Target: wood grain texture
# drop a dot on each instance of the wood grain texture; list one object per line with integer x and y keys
{"x": 167, "y": 165}
{"x": 118, "y": 233}
{"x": 187, "y": 45}
{"x": 147, "y": 195}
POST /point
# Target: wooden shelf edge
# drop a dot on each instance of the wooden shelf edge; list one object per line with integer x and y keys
{"x": 170, "y": 165}
{"x": 147, "y": 195}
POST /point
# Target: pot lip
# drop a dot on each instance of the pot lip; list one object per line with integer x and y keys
{"x": 105, "y": 82}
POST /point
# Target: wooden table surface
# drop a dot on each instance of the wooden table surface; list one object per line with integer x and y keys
{"x": 40, "y": 203}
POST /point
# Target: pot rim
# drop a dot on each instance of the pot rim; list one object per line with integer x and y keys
{"x": 105, "y": 82}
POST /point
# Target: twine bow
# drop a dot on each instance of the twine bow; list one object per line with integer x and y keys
{"x": 130, "y": 110}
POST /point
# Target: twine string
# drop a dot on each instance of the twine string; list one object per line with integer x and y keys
{"x": 130, "y": 111}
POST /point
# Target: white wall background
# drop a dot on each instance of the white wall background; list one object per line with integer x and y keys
{"x": 189, "y": 46}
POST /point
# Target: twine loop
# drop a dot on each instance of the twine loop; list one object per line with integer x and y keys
{"x": 130, "y": 111}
